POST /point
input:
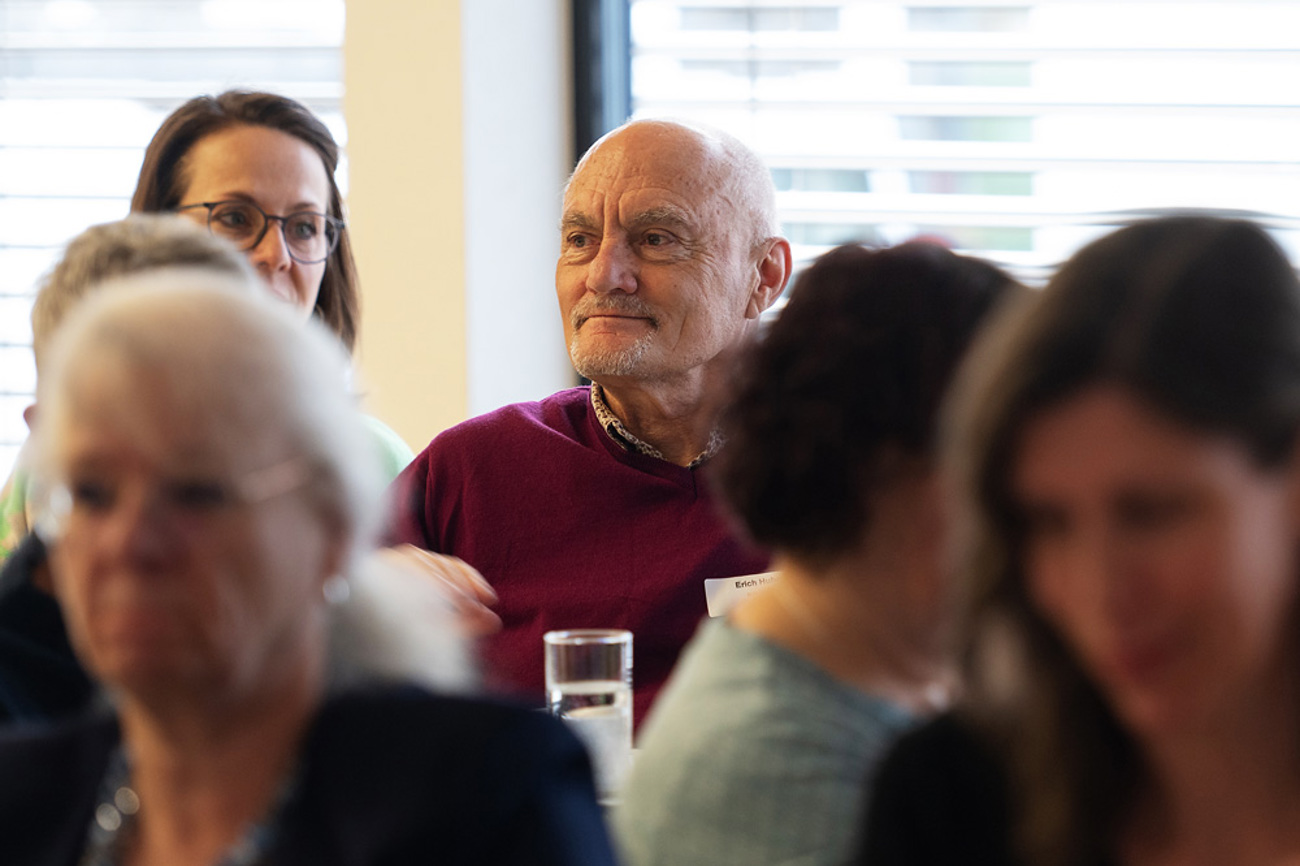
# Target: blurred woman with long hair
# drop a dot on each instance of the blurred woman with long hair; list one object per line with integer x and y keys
{"x": 1128, "y": 449}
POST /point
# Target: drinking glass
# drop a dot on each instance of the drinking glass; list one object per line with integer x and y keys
{"x": 589, "y": 685}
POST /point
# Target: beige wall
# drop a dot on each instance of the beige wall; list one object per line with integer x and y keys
{"x": 403, "y": 108}
{"x": 458, "y": 145}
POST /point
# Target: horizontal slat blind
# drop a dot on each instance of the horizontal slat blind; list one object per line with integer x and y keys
{"x": 1017, "y": 130}
{"x": 83, "y": 87}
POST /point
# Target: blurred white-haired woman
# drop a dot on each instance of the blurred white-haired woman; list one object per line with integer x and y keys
{"x": 212, "y": 505}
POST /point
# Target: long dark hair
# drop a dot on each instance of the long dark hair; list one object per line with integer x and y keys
{"x": 162, "y": 179}
{"x": 1200, "y": 318}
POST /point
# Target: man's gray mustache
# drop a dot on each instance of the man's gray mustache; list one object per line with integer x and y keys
{"x": 624, "y": 307}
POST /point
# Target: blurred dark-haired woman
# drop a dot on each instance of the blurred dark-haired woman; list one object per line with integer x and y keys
{"x": 1127, "y": 452}
{"x": 757, "y": 750}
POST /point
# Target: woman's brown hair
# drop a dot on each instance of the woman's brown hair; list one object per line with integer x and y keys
{"x": 1197, "y": 316}
{"x": 163, "y": 179}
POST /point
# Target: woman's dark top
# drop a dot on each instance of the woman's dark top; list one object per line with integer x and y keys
{"x": 940, "y": 797}
{"x": 40, "y": 678}
{"x": 387, "y": 778}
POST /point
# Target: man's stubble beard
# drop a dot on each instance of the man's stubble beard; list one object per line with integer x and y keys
{"x": 596, "y": 365}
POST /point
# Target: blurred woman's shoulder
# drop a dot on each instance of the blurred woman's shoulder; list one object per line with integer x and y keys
{"x": 468, "y": 779}
{"x": 940, "y": 797}
{"x": 409, "y": 717}
{"x": 386, "y": 774}
{"x": 49, "y": 778}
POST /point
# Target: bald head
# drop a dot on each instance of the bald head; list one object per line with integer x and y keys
{"x": 732, "y": 173}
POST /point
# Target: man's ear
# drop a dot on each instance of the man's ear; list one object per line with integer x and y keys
{"x": 772, "y": 273}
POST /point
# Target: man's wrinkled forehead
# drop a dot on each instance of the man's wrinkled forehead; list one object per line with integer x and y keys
{"x": 649, "y": 171}
{"x": 652, "y": 146}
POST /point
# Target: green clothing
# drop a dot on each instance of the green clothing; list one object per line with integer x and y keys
{"x": 13, "y": 510}
{"x": 393, "y": 451}
{"x": 752, "y": 756}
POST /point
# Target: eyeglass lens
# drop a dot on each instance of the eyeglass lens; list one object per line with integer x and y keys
{"x": 310, "y": 237}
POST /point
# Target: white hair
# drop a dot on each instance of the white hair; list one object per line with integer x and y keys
{"x": 236, "y": 361}
{"x": 140, "y": 242}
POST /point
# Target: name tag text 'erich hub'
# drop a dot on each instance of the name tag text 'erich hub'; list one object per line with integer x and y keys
{"x": 721, "y": 594}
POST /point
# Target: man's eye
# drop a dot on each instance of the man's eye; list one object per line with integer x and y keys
{"x": 576, "y": 241}
{"x": 661, "y": 242}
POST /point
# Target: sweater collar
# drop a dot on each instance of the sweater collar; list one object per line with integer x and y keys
{"x": 628, "y": 441}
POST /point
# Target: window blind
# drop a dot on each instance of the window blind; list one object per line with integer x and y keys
{"x": 83, "y": 87}
{"x": 1012, "y": 129}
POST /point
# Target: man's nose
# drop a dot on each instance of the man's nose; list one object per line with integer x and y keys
{"x": 613, "y": 269}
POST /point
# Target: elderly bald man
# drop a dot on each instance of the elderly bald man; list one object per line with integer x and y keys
{"x": 588, "y": 508}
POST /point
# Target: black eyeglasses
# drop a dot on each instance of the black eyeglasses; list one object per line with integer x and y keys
{"x": 310, "y": 237}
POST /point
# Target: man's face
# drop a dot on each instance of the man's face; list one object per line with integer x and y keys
{"x": 656, "y": 270}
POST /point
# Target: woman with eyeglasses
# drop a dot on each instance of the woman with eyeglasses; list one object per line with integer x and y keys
{"x": 258, "y": 170}
{"x": 1130, "y": 453}
{"x": 211, "y": 514}
{"x": 231, "y": 160}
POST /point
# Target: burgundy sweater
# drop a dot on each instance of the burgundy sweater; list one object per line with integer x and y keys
{"x": 573, "y": 532}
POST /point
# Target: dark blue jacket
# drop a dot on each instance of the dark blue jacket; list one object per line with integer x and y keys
{"x": 388, "y": 778}
{"x": 40, "y": 678}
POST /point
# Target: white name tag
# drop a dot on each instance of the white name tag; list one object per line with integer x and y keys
{"x": 724, "y": 593}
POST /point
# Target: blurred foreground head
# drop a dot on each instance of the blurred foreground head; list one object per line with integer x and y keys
{"x": 1128, "y": 448}
{"x": 840, "y": 399}
{"x": 133, "y": 245}
{"x": 138, "y": 243}
{"x": 212, "y": 483}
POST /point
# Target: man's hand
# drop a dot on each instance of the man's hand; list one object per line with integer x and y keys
{"x": 465, "y": 589}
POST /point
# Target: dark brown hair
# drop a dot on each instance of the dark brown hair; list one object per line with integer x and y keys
{"x": 163, "y": 179}
{"x": 1200, "y": 318}
{"x": 849, "y": 377}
